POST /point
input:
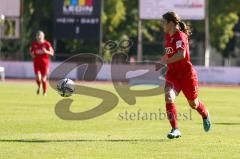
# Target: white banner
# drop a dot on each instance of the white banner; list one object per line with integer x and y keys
{"x": 186, "y": 9}
{"x": 25, "y": 69}
{"x": 226, "y": 75}
{"x": 10, "y": 8}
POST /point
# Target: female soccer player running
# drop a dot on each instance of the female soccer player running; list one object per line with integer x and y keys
{"x": 40, "y": 52}
{"x": 180, "y": 76}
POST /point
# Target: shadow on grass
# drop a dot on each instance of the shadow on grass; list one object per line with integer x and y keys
{"x": 110, "y": 140}
{"x": 223, "y": 123}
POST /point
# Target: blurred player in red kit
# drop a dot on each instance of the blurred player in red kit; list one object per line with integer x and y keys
{"x": 41, "y": 50}
{"x": 180, "y": 75}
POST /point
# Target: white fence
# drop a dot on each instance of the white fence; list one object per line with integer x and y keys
{"x": 228, "y": 75}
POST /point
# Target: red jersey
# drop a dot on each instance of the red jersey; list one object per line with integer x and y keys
{"x": 37, "y": 50}
{"x": 178, "y": 41}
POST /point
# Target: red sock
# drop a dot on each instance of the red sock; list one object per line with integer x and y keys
{"x": 44, "y": 86}
{"x": 38, "y": 83}
{"x": 202, "y": 110}
{"x": 172, "y": 114}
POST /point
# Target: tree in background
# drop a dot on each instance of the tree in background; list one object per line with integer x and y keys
{"x": 223, "y": 18}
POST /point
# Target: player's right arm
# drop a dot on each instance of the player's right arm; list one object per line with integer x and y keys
{"x": 31, "y": 51}
{"x": 160, "y": 64}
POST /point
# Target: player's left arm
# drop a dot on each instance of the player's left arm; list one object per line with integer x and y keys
{"x": 181, "y": 51}
{"x": 49, "y": 51}
{"x": 180, "y": 55}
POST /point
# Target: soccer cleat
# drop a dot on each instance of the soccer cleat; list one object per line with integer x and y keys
{"x": 175, "y": 133}
{"x": 38, "y": 91}
{"x": 44, "y": 94}
{"x": 207, "y": 123}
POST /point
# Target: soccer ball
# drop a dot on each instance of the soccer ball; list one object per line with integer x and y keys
{"x": 65, "y": 87}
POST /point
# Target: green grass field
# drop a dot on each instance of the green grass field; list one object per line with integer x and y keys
{"x": 30, "y": 128}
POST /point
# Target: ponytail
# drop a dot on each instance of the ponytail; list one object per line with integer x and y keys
{"x": 184, "y": 28}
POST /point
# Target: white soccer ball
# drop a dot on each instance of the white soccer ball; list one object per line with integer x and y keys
{"x": 65, "y": 87}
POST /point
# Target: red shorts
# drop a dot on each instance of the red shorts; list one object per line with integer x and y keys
{"x": 188, "y": 85}
{"x": 41, "y": 67}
